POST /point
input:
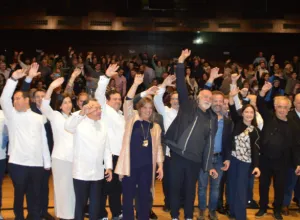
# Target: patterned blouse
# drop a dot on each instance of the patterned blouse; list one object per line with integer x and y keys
{"x": 243, "y": 146}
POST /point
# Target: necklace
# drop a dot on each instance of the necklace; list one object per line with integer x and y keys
{"x": 145, "y": 141}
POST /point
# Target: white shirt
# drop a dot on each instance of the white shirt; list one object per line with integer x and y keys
{"x": 91, "y": 148}
{"x": 3, "y": 134}
{"x": 168, "y": 114}
{"x": 298, "y": 113}
{"x": 113, "y": 120}
{"x": 63, "y": 140}
{"x": 27, "y": 135}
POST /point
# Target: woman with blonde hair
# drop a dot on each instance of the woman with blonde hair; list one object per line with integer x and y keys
{"x": 140, "y": 154}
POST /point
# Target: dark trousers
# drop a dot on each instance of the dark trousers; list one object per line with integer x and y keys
{"x": 23, "y": 177}
{"x": 290, "y": 183}
{"x": 85, "y": 190}
{"x": 44, "y": 194}
{"x": 187, "y": 170}
{"x": 111, "y": 190}
{"x": 297, "y": 190}
{"x": 140, "y": 179}
{"x": 2, "y": 174}
{"x": 250, "y": 185}
{"x": 166, "y": 181}
{"x": 277, "y": 169}
{"x": 238, "y": 179}
{"x": 223, "y": 190}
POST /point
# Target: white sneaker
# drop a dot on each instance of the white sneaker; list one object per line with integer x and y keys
{"x": 104, "y": 218}
{"x": 1, "y": 217}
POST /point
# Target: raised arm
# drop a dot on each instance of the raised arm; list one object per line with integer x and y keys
{"x": 158, "y": 98}
{"x": 233, "y": 111}
{"x": 33, "y": 72}
{"x": 70, "y": 85}
{"x": 103, "y": 83}
{"x": 128, "y": 103}
{"x": 8, "y": 91}
{"x": 214, "y": 74}
{"x": 183, "y": 94}
{"x": 45, "y": 107}
{"x": 45, "y": 150}
{"x": 261, "y": 106}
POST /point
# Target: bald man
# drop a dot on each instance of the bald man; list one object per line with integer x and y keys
{"x": 291, "y": 180}
{"x": 191, "y": 140}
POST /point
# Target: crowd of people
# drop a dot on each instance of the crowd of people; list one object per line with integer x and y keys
{"x": 107, "y": 127}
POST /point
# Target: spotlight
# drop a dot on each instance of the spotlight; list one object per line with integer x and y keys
{"x": 198, "y": 41}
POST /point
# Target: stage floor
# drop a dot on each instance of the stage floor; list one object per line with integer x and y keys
{"x": 7, "y": 204}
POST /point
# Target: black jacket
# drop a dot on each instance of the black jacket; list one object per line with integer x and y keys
{"x": 182, "y": 128}
{"x": 295, "y": 123}
{"x": 277, "y": 135}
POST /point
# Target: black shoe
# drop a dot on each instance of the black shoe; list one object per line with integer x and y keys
{"x": 222, "y": 210}
{"x": 166, "y": 209}
{"x": 277, "y": 215}
{"x": 261, "y": 213}
{"x": 47, "y": 216}
{"x": 152, "y": 215}
{"x": 295, "y": 200}
{"x": 252, "y": 205}
{"x": 86, "y": 211}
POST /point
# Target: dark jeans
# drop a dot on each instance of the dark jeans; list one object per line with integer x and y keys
{"x": 223, "y": 190}
{"x": 140, "y": 179}
{"x": 2, "y": 174}
{"x": 290, "y": 183}
{"x": 166, "y": 181}
{"x": 23, "y": 177}
{"x": 250, "y": 185}
{"x": 238, "y": 179}
{"x": 85, "y": 190}
{"x": 269, "y": 168}
{"x": 111, "y": 190}
{"x": 187, "y": 170}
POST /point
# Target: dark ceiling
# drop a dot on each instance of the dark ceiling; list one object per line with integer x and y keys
{"x": 247, "y": 9}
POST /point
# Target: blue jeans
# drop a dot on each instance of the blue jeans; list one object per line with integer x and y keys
{"x": 291, "y": 181}
{"x": 217, "y": 163}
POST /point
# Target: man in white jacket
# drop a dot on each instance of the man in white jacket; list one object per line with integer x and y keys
{"x": 28, "y": 148}
{"x": 91, "y": 148}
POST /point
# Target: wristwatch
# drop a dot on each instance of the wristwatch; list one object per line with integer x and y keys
{"x": 13, "y": 79}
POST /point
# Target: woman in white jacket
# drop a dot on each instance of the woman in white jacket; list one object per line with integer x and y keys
{"x": 62, "y": 155}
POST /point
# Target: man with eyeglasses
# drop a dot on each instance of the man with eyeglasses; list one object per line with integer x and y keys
{"x": 277, "y": 150}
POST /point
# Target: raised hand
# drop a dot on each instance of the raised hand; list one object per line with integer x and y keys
{"x": 266, "y": 87}
{"x": 235, "y": 77}
{"x": 138, "y": 79}
{"x": 18, "y": 74}
{"x": 33, "y": 71}
{"x": 152, "y": 90}
{"x": 56, "y": 83}
{"x": 87, "y": 109}
{"x": 169, "y": 81}
{"x": 76, "y": 73}
{"x": 21, "y": 53}
{"x": 112, "y": 70}
{"x": 234, "y": 92}
{"x": 184, "y": 54}
{"x": 214, "y": 73}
